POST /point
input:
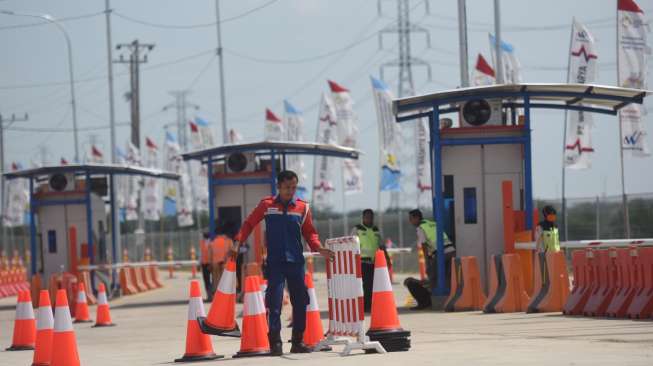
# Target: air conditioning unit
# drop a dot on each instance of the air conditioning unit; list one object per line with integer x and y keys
{"x": 241, "y": 162}
{"x": 481, "y": 112}
{"x": 60, "y": 182}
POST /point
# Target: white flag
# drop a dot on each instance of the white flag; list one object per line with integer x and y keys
{"x": 274, "y": 130}
{"x": 582, "y": 70}
{"x": 632, "y": 58}
{"x": 180, "y": 190}
{"x": 151, "y": 192}
{"x": 390, "y": 137}
{"x": 294, "y": 123}
{"x": 511, "y": 66}
{"x": 17, "y": 201}
{"x": 327, "y": 133}
{"x": 348, "y": 136}
{"x": 483, "y": 72}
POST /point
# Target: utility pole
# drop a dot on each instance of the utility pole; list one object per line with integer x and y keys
{"x": 223, "y": 102}
{"x": 462, "y": 44}
{"x": 112, "y": 113}
{"x": 4, "y": 201}
{"x": 497, "y": 41}
{"x": 136, "y": 49}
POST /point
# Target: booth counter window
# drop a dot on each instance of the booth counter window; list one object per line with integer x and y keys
{"x": 469, "y": 201}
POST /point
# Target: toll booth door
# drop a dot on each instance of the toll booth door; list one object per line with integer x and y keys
{"x": 53, "y": 240}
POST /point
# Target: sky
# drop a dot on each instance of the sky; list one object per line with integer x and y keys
{"x": 287, "y": 49}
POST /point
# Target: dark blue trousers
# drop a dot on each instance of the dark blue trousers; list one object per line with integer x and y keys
{"x": 278, "y": 274}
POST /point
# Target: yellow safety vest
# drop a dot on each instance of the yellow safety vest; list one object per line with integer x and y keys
{"x": 429, "y": 227}
{"x": 369, "y": 240}
{"x": 551, "y": 240}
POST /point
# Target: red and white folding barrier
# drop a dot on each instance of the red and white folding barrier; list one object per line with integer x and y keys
{"x": 345, "y": 292}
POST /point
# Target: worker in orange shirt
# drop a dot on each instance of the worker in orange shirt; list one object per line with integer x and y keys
{"x": 205, "y": 264}
{"x": 219, "y": 252}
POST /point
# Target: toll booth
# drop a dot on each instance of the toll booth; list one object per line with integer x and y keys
{"x": 71, "y": 217}
{"x": 480, "y": 141}
{"x": 239, "y": 175}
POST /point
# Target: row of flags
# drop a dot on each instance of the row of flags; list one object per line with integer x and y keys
{"x": 632, "y": 51}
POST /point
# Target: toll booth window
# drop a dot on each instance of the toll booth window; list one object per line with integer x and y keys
{"x": 52, "y": 241}
{"x": 470, "y": 211}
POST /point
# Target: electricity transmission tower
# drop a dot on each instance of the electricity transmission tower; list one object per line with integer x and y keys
{"x": 404, "y": 29}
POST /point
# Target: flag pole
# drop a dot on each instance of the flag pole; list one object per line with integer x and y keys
{"x": 624, "y": 199}
{"x": 564, "y": 139}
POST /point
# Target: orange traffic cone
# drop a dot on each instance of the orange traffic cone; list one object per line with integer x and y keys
{"x": 314, "y": 332}
{"x": 81, "y": 305}
{"x": 44, "y": 329}
{"x": 222, "y": 315}
{"x": 64, "y": 344}
{"x": 384, "y": 325}
{"x": 384, "y": 309}
{"x": 254, "y": 340}
{"x": 24, "y": 325}
{"x": 103, "y": 316}
{"x": 198, "y": 344}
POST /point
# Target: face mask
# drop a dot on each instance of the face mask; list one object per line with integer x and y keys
{"x": 551, "y": 217}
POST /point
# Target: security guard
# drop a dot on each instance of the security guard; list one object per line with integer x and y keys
{"x": 287, "y": 219}
{"x": 370, "y": 240}
{"x": 426, "y": 237}
{"x": 546, "y": 233}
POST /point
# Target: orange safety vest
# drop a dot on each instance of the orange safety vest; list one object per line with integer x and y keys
{"x": 204, "y": 252}
{"x": 219, "y": 248}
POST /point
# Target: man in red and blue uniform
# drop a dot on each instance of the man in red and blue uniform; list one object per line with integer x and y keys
{"x": 287, "y": 220}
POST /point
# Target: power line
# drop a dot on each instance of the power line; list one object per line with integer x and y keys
{"x": 103, "y": 76}
{"x": 64, "y": 19}
{"x": 305, "y": 59}
{"x": 63, "y": 130}
{"x": 194, "y": 26}
{"x": 199, "y": 75}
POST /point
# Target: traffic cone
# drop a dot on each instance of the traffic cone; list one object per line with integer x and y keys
{"x": 384, "y": 309}
{"x": 384, "y": 325}
{"x": 314, "y": 332}
{"x": 254, "y": 340}
{"x": 64, "y": 344}
{"x": 44, "y": 329}
{"x": 198, "y": 344}
{"x": 102, "y": 316}
{"x": 81, "y": 305}
{"x": 222, "y": 314}
{"x": 24, "y": 325}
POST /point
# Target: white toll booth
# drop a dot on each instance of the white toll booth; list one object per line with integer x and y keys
{"x": 72, "y": 210}
{"x": 482, "y": 166}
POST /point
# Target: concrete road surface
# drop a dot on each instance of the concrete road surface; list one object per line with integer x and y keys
{"x": 152, "y": 329}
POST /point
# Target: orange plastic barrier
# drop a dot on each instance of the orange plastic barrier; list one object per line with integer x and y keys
{"x": 554, "y": 284}
{"x": 126, "y": 282}
{"x": 626, "y": 284}
{"x": 514, "y": 297}
{"x": 642, "y": 305}
{"x": 135, "y": 277}
{"x": 583, "y": 282}
{"x": 145, "y": 278}
{"x": 466, "y": 293}
{"x": 154, "y": 275}
{"x": 604, "y": 289}
{"x": 496, "y": 278}
{"x": 85, "y": 278}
